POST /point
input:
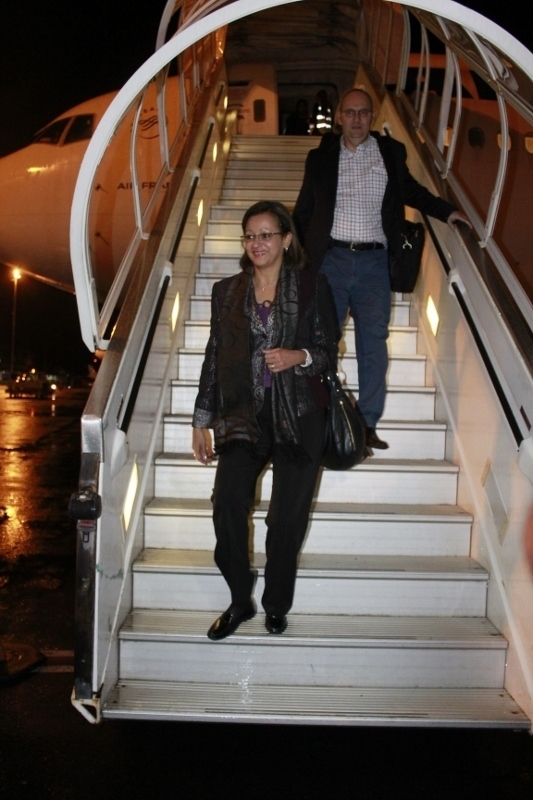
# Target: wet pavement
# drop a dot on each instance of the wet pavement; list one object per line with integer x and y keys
{"x": 47, "y": 750}
{"x": 39, "y": 464}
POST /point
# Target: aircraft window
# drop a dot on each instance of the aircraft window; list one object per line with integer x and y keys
{"x": 81, "y": 128}
{"x": 436, "y": 82}
{"x": 476, "y": 137}
{"x": 52, "y": 133}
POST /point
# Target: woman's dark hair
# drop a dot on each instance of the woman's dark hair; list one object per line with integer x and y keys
{"x": 294, "y": 258}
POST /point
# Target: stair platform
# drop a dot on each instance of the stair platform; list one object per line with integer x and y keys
{"x": 324, "y": 705}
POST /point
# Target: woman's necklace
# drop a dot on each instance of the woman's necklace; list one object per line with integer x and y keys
{"x": 262, "y": 288}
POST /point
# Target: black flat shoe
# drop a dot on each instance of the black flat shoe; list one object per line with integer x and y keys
{"x": 373, "y": 440}
{"x": 275, "y": 624}
{"x": 228, "y": 622}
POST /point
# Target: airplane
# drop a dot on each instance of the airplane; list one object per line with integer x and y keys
{"x": 37, "y": 182}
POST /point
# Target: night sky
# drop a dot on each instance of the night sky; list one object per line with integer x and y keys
{"x": 54, "y": 55}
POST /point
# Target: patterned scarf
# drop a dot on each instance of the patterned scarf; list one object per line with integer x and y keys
{"x": 237, "y": 420}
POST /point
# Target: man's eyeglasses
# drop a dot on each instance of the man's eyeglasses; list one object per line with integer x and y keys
{"x": 248, "y": 238}
{"x": 362, "y": 113}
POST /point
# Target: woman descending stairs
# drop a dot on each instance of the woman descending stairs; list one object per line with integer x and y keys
{"x": 389, "y": 623}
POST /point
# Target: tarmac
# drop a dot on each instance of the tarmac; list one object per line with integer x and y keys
{"x": 47, "y": 750}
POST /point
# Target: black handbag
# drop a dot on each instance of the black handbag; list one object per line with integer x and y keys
{"x": 344, "y": 443}
{"x": 405, "y": 265}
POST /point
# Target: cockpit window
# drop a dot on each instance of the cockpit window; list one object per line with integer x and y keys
{"x": 52, "y": 133}
{"x": 81, "y": 128}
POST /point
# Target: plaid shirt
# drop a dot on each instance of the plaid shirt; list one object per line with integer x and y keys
{"x": 360, "y": 190}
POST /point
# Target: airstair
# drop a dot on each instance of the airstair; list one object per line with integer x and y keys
{"x": 389, "y": 622}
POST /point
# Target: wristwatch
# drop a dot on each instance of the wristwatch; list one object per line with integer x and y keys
{"x": 308, "y": 358}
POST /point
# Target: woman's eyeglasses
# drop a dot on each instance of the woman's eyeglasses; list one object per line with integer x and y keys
{"x": 248, "y": 238}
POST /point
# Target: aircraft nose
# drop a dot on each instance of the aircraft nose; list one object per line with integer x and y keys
{"x": 34, "y": 216}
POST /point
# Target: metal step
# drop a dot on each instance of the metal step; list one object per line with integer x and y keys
{"x": 200, "y": 309}
{"x": 406, "y": 439}
{"x": 407, "y": 403}
{"x": 266, "y": 142}
{"x": 254, "y": 195}
{"x": 327, "y": 584}
{"x": 402, "y": 338}
{"x": 376, "y": 480}
{"x": 315, "y": 650}
{"x": 270, "y": 183}
{"x": 291, "y": 167}
{"x": 228, "y": 212}
{"x": 335, "y": 528}
{"x": 405, "y": 372}
{"x": 314, "y": 705}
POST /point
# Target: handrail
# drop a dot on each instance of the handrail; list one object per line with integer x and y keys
{"x": 523, "y": 59}
{"x": 452, "y": 68}
{"x": 107, "y": 440}
{"x": 188, "y": 35}
{"x": 504, "y": 149}
{"x": 404, "y": 56}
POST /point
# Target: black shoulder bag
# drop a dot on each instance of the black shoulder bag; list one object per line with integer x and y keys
{"x": 344, "y": 443}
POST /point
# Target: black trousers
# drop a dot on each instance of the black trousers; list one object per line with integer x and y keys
{"x": 288, "y": 514}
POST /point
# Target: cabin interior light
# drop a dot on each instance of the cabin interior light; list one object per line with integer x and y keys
{"x": 130, "y": 495}
{"x": 432, "y": 315}
{"x": 175, "y": 311}
{"x": 528, "y": 141}
{"x": 226, "y": 101}
{"x": 215, "y": 152}
{"x": 200, "y": 212}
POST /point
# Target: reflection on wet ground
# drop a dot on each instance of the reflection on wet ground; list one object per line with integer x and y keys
{"x": 39, "y": 462}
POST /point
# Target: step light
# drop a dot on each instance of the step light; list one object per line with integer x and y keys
{"x": 130, "y": 495}
{"x": 432, "y": 315}
{"x": 215, "y": 152}
{"x": 200, "y": 212}
{"x": 175, "y": 311}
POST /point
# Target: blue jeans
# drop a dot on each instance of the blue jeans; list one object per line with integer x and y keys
{"x": 359, "y": 280}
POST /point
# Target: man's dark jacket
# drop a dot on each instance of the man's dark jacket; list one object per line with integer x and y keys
{"x": 315, "y": 207}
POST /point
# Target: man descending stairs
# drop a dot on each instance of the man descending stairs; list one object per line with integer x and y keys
{"x": 388, "y": 624}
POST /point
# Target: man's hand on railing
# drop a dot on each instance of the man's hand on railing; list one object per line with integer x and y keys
{"x": 458, "y": 216}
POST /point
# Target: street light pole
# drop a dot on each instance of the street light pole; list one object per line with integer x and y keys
{"x": 17, "y": 274}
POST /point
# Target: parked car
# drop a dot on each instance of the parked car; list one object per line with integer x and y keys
{"x": 30, "y": 384}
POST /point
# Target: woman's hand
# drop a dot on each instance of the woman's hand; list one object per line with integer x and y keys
{"x": 202, "y": 446}
{"x": 280, "y": 358}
